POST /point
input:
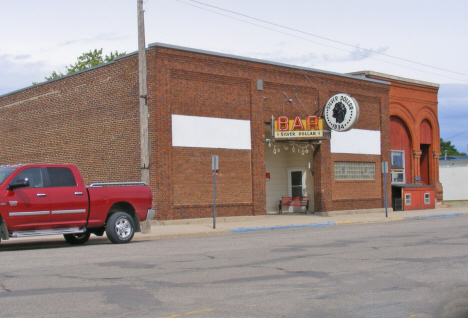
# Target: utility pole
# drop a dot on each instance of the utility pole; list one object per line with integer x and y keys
{"x": 146, "y": 226}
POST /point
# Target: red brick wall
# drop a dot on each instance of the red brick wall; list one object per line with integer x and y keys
{"x": 193, "y": 176}
{"x": 188, "y": 83}
{"x": 346, "y": 194}
{"x": 90, "y": 119}
{"x": 334, "y": 195}
{"x": 180, "y": 84}
{"x": 415, "y": 104}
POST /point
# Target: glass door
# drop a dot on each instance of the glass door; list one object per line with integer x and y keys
{"x": 296, "y": 183}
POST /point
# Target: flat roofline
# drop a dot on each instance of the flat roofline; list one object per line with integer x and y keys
{"x": 181, "y": 48}
{"x": 248, "y": 59}
{"x": 393, "y": 77}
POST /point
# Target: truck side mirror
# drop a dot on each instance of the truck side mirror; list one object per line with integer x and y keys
{"x": 20, "y": 183}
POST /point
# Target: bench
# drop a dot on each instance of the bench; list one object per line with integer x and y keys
{"x": 294, "y": 201}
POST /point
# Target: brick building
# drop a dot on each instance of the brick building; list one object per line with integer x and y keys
{"x": 203, "y": 104}
{"x": 414, "y": 136}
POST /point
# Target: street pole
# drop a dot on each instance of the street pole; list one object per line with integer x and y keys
{"x": 144, "y": 166}
{"x": 385, "y": 171}
{"x": 386, "y": 204}
{"x": 214, "y": 200}
{"x": 215, "y": 168}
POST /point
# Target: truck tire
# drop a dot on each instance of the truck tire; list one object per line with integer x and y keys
{"x": 120, "y": 228}
{"x": 77, "y": 238}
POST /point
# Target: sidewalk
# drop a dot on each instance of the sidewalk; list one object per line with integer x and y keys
{"x": 226, "y": 225}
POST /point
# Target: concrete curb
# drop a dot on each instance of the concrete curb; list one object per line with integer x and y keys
{"x": 250, "y": 229}
{"x": 202, "y": 227}
{"x": 151, "y": 237}
{"x": 346, "y": 222}
{"x": 433, "y": 216}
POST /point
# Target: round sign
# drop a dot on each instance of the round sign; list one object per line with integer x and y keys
{"x": 341, "y": 112}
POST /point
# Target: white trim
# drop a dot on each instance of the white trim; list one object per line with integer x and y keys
{"x": 396, "y": 173}
{"x": 408, "y": 199}
{"x": 210, "y": 132}
{"x": 29, "y": 213}
{"x": 68, "y": 211}
{"x": 427, "y": 198}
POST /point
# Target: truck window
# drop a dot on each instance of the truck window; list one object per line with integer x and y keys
{"x": 34, "y": 175}
{"x": 61, "y": 177}
{"x": 5, "y": 173}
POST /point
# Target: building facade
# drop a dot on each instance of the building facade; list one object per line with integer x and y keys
{"x": 414, "y": 135}
{"x": 203, "y": 104}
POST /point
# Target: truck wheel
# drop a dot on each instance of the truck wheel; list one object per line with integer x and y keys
{"x": 78, "y": 238}
{"x": 120, "y": 228}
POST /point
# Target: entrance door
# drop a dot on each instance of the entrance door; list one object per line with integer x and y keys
{"x": 296, "y": 185}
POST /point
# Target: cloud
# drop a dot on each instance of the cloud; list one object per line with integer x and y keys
{"x": 20, "y": 58}
{"x": 19, "y": 72}
{"x": 358, "y": 54}
{"x": 312, "y": 59}
{"x": 309, "y": 59}
{"x": 279, "y": 53}
{"x": 99, "y": 38}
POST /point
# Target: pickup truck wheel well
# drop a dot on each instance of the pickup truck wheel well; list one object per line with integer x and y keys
{"x": 127, "y": 208}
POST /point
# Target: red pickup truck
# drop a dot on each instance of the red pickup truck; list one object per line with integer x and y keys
{"x": 45, "y": 199}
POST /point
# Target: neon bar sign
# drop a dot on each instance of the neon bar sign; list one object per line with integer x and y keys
{"x": 297, "y": 128}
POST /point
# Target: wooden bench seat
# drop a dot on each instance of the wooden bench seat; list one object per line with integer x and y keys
{"x": 294, "y": 201}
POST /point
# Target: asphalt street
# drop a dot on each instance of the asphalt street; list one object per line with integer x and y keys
{"x": 414, "y": 268}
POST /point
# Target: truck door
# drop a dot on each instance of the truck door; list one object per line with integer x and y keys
{"x": 68, "y": 199}
{"x": 29, "y": 207}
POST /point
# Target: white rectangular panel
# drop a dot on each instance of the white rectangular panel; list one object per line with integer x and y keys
{"x": 454, "y": 179}
{"x": 356, "y": 141}
{"x": 210, "y": 132}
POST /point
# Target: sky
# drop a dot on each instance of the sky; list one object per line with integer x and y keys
{"x": 421, "y": 40}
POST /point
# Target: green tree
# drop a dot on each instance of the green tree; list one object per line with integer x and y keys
{"x": 85, "y": 61}
{"x": 451, "y": 150}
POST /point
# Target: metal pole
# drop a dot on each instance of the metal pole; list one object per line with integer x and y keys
{"x": 385, "y": 171}
{"x": 385, "y": 178}
{"x": 214, "y": 205}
